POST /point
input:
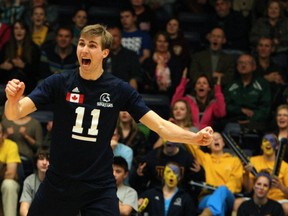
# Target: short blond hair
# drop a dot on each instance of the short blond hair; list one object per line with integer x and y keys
{"x": 98, "y": 30}
{"x": 281, "y": 107}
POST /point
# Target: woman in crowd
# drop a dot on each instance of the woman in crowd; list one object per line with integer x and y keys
{"x": 41, "y": 32}
{"x": 180, "y": 115}
{"x": 278, "y": 191}
{"x": 260, "y": 204}
{"x": 162, "y": 70}
{"x": 274, "y": 25}
{"x": 132, "y": 136}
{"x": 20, "y": 57}
{"x": 204, "y": 106}
{"x": 179, "y": 45}
{"x": 282, "y": 125}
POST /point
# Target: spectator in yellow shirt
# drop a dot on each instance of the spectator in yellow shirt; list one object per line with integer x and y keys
{"x": 223, "y": 171}
{"x": 279, "y": 190}
{"x": 9, "y": 160}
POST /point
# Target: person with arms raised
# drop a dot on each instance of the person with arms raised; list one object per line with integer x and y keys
{"x": 87, "y": 104}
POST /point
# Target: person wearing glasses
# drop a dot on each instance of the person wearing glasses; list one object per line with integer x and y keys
{"x": 248, "y": 100}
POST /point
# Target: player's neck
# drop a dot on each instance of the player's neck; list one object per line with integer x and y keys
{"x": 92, "y": 74}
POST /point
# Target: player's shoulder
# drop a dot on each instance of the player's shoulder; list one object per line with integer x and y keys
{"x": 115, "y": 81}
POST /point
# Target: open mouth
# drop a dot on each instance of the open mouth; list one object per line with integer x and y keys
{"x": 216, "y": 144}
{"x": 86, "y": 61}
{"x": 201, "y": 90}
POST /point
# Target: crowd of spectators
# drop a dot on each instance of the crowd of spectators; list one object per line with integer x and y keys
{"x": 233, "y": 77}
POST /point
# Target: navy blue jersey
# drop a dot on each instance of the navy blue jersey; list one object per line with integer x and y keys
{"x": 85, "y": 115}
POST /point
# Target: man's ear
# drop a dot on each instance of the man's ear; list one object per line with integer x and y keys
{"x": 105, "y": 53}
{"x": 126, "y": 174}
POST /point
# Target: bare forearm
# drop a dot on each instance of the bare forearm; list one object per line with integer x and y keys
{"x": 125, "y": 209}
{"x": 172, "y": 132}
{"x": 17, "y": 109}
{"x": 12, "y": 110}
{"x": 24, "y": 207}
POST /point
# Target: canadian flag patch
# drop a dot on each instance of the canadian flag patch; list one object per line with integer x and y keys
{"x": 75, "y": 98}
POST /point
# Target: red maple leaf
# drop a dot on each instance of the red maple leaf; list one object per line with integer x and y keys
{"x": 74, "y": 97}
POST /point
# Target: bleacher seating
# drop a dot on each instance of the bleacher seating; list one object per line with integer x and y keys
{"x": 104, "y": 15}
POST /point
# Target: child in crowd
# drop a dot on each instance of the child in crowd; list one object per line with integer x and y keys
{"x": 170, "y": 199}
{"x": 127, "y": 196}
{"x": 33, "y": 181}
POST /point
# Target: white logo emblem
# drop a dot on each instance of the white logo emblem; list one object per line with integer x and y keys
{"x": 105, "y": 97}
{"x": 76, "y": 90}
{"x": 104, "y": 100}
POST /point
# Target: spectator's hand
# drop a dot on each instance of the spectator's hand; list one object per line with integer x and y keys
{"x": 49, "y": 125}
{"x": 172, "y": 120}
{"x": 140, "y": 168}
{"x": 6, "y": 65}
{"x": 204, "y": 137}
{"x": 113, "y": 143}
{"x": 140, "y": 201}
{"x": 249, "y": 113}
{"x": 276, "y": 182}
{"x": 160, "y": 61}
{"x": 218, "y": 76}
{"x": 14, "y": 90}
{"x": 22, "y": 130}
{"x": 195, "y": 166}
{"x": 275, "y": 77}
{"x": 142, "y": 204}
{"x": 248, "y": 168}
{"x": 184, "y": 74}
{"x": 17, "y": 62}
{"x": 10, "y": 131}
{"x": 279, "y": 80}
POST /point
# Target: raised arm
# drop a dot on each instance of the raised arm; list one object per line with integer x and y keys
{"x": 16, "y": 106}
{"x": 171, "y": 132}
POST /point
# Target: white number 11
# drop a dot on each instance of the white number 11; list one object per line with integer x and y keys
{"x": 77, "y": 128}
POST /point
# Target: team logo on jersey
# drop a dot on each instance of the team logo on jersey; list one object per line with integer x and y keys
{"x": 104, "y": 100}
{"x": 75, "y": 98}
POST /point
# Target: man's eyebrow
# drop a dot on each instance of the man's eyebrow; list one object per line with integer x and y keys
{"x": 91, "y": 41}
{"x": 94, "y": 42}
